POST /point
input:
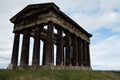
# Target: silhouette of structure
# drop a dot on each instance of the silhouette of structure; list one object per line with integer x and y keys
{"x": 40, "y": 21}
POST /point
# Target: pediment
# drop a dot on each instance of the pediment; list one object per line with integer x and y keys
{"x": 33, "y": 9}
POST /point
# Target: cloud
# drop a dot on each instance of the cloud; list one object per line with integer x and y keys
{"x": 116, "y": 29}
{"x": 4, "y": 63}
{"x": 70, "y": 6}
{"x": 95, "y": 15}
{"x": 106, "y": 5}
{"x": 104, "y": 67}
{"x": 106, "y": 52}
{"x": 94, "y": 22}
{"x": 5, "y": 58}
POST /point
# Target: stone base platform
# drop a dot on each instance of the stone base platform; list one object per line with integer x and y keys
{"x": 47, "y": 67}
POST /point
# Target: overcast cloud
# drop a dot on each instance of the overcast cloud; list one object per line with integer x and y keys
{"x": 99, "y": 17}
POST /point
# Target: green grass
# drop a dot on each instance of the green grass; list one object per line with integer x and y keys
{"x": 58, "y": 75}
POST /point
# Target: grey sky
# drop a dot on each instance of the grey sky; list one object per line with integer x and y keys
{"x": 99, "y": 17}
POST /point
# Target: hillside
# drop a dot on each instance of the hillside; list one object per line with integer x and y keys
{"x": 58, "y": 75}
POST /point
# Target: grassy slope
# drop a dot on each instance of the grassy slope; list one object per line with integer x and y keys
{"x": 58, "y": 75}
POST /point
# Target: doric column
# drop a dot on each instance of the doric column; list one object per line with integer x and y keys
{"x": 15, "y": 51}
{"x": 68, "y": 49}
{"x": 80, "y": 52}
{"x": 44, "y": 53}
{"x": 63, "y": 56}
{"x": 49, "y": 44}
{"x": 36, "y": 48}
{"x": 75, "y": 51}
{"x": 84, "y": 53}
{"x": 88, "y": 55}
{"x": 59, "y": 57}
{"x": 25, "y": 49}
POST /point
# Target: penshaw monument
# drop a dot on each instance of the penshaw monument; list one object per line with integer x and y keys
{"x": 47, "y": 23}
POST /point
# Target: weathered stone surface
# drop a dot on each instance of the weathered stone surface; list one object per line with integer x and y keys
{"x": 14, "y": 59}
{"x": 36, "y": 48}
{"x": 59, "y": 58}
{"x": 68, "y": 49}
{"x": 25, "y": 49}
{"x": 10, "y": 66}
{"x": 71, "y": 40}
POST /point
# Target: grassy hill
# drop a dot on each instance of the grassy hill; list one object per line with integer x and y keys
{"x": 58, "y": 75}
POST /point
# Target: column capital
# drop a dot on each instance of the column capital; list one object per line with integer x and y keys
{"x": 58, "y": 27}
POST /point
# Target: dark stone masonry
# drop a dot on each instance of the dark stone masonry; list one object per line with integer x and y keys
{"x": 71, "y": 40}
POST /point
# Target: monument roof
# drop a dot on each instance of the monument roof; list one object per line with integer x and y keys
{"x": 35, "y": 8}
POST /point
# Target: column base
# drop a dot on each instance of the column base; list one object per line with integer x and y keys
{"x": 10, "y": 66}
